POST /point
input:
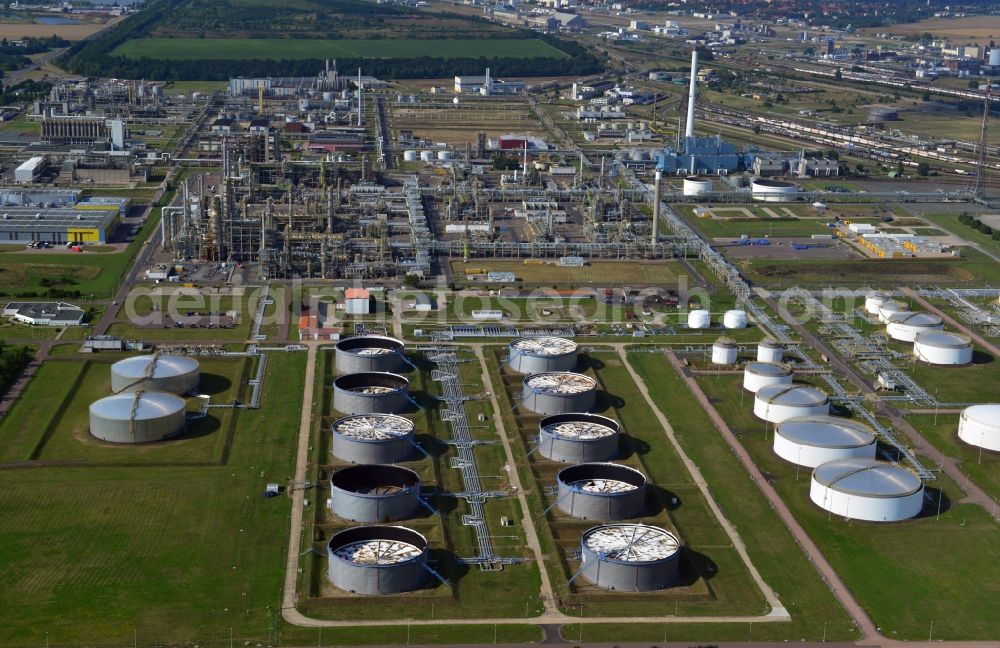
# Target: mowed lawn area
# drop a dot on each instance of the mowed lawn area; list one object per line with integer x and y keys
{"x": 177, "y": 553}
{"x": 286, "y": 48}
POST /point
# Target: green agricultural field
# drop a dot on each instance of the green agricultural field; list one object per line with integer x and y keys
{"x": 178, "y": 49}
{"x": 905, "y": 575}
{"x": 87, "y": 548}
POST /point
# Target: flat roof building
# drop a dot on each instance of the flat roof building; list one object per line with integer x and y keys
{"x": 54, "y": 225}
{"x": 45, "y": 313}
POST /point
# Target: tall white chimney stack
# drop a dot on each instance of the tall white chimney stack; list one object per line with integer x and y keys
{"x": 656, "y": 209}
{"x": 692, "y": 94}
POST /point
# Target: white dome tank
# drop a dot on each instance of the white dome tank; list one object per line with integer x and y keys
{"x": 409, "y": 156}
{"x": 699, "y": 319}
{"x": 941, "y": 348}
{"x": 696, "y": 186}
{"x": 157, "y": 372}
{"x": 979, "y": 425}
{"x": 769, "y": 190}
{"x": 770, "y": 351}
{"x": 427, "y": 156}
{"x": 874, "y": 301}
{"x": 777, "y": 403}
{"x": 724, "y": 352}
{"x": 735, "y": 319}
{"x": 891, "y": 308}
{"x": 906, "y": 326}
{"x": 444, "y": 156}
{"x": 866, "y": 489}
{"x": 757, "y": 375}
{"x": 812, "y": 441}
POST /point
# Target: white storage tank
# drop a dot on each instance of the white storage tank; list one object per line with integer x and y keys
{"x": 942, "y": 348}
{"x": 979, "y": 425}
{"x": 812, "y": 441}
{"x": 697, "y": 186}
{"x": 994, "y": 57}
{"x": 157, "y": 372}
{"x": 757, "y": 375}
{"x": 777, "y": 403}
{"x": 444, "y": 156}
{"x": 724, "y": 352}
{"x": 769, "y": 190}
{"x": 735, "y": 319}
{"x": 427, "y": 156}
{"x": 137, "y": 417}
{"x": 874, "y": 301}
{"x": 770, "y": 351}
{"x": 906, "y": 326}
{"x": 890, "y": 308}
{"x": 699, "y": 319}
{"x": 866, "y": 489}
{"x": 409, "y": 156}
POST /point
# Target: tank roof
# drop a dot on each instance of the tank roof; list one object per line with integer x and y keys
{"x": 867, "y": 478}
{"x": 581, "y": 427}
{"x": 988, "y": 414}
{"x": 919, "y": 319}
{"x": 138, "y": 406}
{"x": 373, "y": 427}
{"x": 162, "y": 365}
{"x": 543, "y": 346}
{"x": 826, "y": 432}
{"x": 792, "y": 395}
{"x": 631, "y": 543}
{"x": 560, "y": 383}
{"x": 944, "y": 339}
{"x": 768, "y": 369}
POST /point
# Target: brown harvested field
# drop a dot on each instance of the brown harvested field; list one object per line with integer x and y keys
{"x": 15, "y": 31}
{"x": 980, "y": 28}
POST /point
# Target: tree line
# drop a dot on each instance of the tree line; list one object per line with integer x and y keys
{"x": 976, "y": 224}
{"x": 13, "y": 360}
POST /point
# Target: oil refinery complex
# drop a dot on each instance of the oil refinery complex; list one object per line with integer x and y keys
{"x": 705, "y": 349}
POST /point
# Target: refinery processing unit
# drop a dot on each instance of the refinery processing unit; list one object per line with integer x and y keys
{"x": 683, "y": 331}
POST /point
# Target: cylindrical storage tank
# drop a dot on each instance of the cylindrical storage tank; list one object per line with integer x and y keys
{"x": 994, "y": 57}
{"x": 769, "y": 190}
{"x": 866, "y": 489}
{"x": 371, "y": 393}
{"x": 559, "y": 392}
{"x": 137, "y": 417}
{"x": 541, "y": 354}
{"x": 811, "y": 441}
{"x": 696, "y": 186}
{"x": 373, "y": 439}
{"x": 369, "y": 353}
{"x": 724, "y": 352}
{"x": 735, "y": 319}
{"x": 601, "y": 491}
{"x": 630, "y": 557}
{"x": 778, "y": 403}
{"x": 374, "y": 493}
{"x": 890, "y": 308}
{"x": 874, "y": 301}
{"x": 942, "y": 348}
{"x": 158, "y": 372}
{"x": 427, "y": 156}
{"x": 409, "y": 156}
{"x": 906, "y": 326}
{"x": 377, "y": 560}
{"x": 770, "y": 351}
{"x": 979, "y": 425}
{"x": 444, "y": 155}
{"x": 757, "y": 375}
{"x": 699, "y": 319}
{"x": 578, "y": 438}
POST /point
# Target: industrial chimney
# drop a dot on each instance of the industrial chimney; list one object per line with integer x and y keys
{"x": 656, "y": 210}
{"x": 692, "y": 94}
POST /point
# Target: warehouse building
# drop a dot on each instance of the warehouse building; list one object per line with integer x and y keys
{"x": 44, "y": 313}
{"x": 94, "y": 225}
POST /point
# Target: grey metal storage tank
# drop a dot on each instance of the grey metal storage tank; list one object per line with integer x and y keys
{"x": 377, "y": 560}
{"x": 541, "y": 354}
{"x": 157, "y": 372}
{"x": 559, "y": 392}
{"x": 601, "y": 491}
{"x": 371, "y": 392}
{"x": 373, "y": 439}
{"x": 374, "y": 493}
{"x": 137, "y": 417}
{"x": 578, "y": 437}
{"x": 630, "y": 557}
{"x": 369, "y": 353}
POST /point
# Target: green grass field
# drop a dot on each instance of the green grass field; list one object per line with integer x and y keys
{"x": 279, "y": 48}
{"x": 604, "y": 273}
{"x": 176, "y": 553}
